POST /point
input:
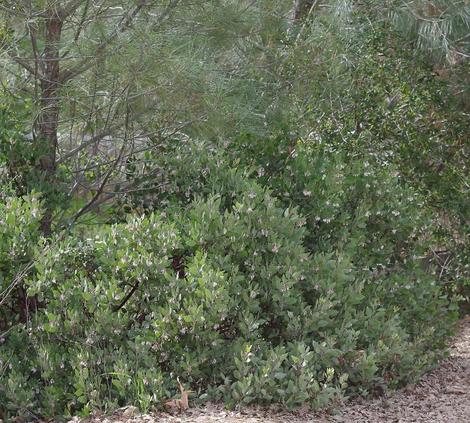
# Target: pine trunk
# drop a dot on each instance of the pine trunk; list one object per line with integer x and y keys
{"x": 48, "y": 119}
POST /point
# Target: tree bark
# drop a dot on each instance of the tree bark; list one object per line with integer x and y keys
{"x": 48, "y": 118}
{"x": 297, "y": 10}
{"x": 300, "y": 9}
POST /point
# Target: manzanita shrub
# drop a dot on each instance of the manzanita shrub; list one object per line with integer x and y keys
{"x": 20, "y": 238}
{"x": 241, "y": 295}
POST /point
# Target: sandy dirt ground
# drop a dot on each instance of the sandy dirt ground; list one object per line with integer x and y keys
{"x": 443, "y": 395}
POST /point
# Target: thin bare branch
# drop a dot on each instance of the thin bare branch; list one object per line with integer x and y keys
{"x": 24, "y": 63}
{"x": 99, "y": 191}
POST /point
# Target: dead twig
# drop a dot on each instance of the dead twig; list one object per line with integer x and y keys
{"x": 179, "y": 404}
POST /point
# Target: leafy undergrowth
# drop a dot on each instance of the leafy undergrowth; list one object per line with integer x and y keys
{"x": 242, "y": 294}
{"x": 441, "y": 395}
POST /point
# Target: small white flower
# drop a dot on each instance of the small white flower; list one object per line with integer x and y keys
{"x": 307, "y": 193}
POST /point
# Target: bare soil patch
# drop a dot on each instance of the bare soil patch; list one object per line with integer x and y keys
{"x": 443, "y": 395}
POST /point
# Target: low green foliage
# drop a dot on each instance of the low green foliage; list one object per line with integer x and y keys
{"x": 234, "y": 298}
{"x": 20, "y": 240}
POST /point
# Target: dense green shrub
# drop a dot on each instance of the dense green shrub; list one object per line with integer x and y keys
{"x": 359, "y": 205}
{"x": 20, "y": 239}
{"x": 225, "y": 297}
